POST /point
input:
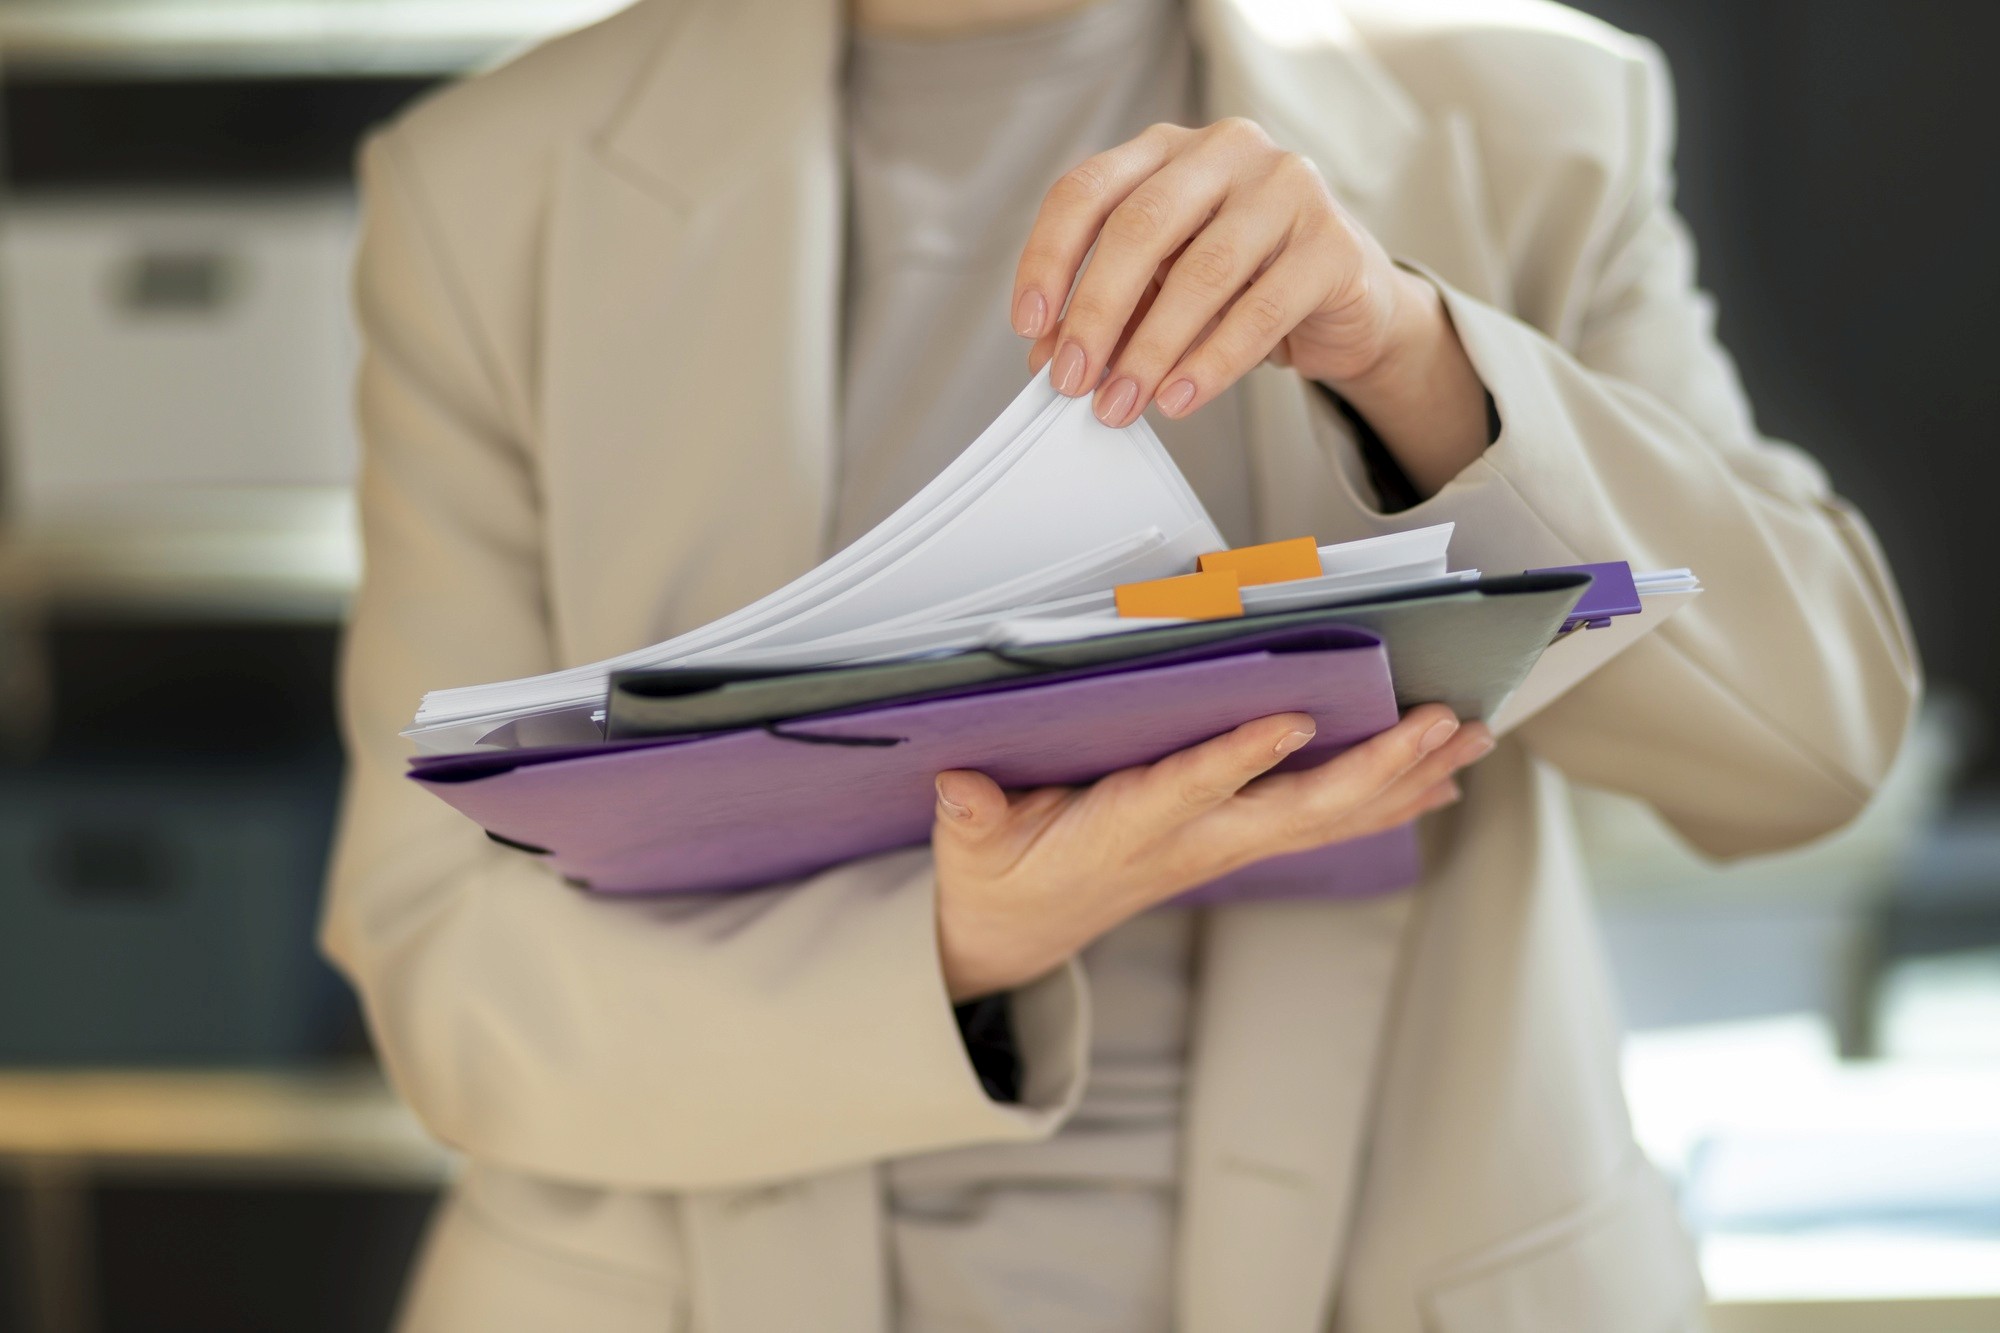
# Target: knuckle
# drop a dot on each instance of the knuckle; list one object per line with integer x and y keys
{"x": 1142, "y": 220}
{"x": 1088, "y": 314}
{"x": 1191, "y": 789}
{"x": 1356, "y": 291}
{"x": 1326, "y": 239}
{"x": 1208, "y": 266}
{"x": 1215, "y": 860}
{"x": 1082, "y": 184}
{"x": 1382, "y": 757}
{"x": 1196, "y": 796}
{"x": 1240, "y": 129}
{"x": 1145, "y": 357}
{"x": 1311, "y": 825}
{"x": 1296, "y": 169}
{"x": 1399, "y": 758}
{"x": 1263, "y": 315}
{"x": 1120, "y": 785}
{"x": 1041, "y": 251}
{"x": 1039, "y": 260}
{"x": 1354, "y": 777}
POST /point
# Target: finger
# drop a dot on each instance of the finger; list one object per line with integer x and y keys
{"x": 1283, "y": 813}
{"x": 1044, "y": 347}
{"x": 1146, "y": 299}
{"x": 1267, "y": 311}
{"x": 1463, "y": 747}
{"x": 1191, "y": 782}
{"x": 1214, "y": 267}
{"x": 1153, "y": 221}
{"x": 1413, "y": 804}
{"x": 1300, "y": 809}
{"x": 1070, "y": 217}
{"x": 1435, "y": 797}
{"x": 971, "y": 807}
{"x": 1472, "y": 744}
{"x": 1405, "y": 798}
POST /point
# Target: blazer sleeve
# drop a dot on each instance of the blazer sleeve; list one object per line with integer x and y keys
{"x": 681, "y": 1044}
{"x": 1769, "y": 709}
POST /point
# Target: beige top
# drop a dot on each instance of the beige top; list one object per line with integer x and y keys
{"x": 951, "y": 144}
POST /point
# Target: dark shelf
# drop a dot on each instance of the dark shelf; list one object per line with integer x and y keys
{"x": 98, "y": 132}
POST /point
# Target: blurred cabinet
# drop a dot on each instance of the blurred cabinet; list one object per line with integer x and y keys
{"x": 297, "y": 38}
{"x": 176, "y": 541}
{"x": 177, "y": 352}
{"x": 177, "y": 221}
{"x": 163, "y": 917}
{"x": 154, "y": 342}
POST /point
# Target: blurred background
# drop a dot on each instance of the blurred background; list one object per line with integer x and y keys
{"x": 192, "y": 1136}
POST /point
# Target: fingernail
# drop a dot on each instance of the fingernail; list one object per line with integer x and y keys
{"x": 1176, "y": 398}
{"x": 1439, "y": 733}
{"x": 1478, "y": 750}
{"x": 951, "y": 807}
{"x": 1117, "y": 401}
{"x": 1068, "y": 371}
{"x": 1030, "y": 313}
{"x": 1292, "y": 742}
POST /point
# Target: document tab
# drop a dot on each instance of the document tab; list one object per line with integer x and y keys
{"x": 1612, "y": 592}
{"x": 1212, "y": 595}
{"x": 1272, "y": 562}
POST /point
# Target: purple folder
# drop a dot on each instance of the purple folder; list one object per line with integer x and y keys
{"x": 753, "y": 807}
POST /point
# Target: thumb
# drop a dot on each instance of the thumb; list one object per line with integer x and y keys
{"x": 970, "y": 804}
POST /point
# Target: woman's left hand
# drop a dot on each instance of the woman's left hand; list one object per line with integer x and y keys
{"x": 1216, "y": 250}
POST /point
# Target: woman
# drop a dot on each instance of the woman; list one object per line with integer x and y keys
{"x": 664, "y": 312}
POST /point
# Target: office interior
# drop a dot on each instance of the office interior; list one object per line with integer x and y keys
{"x": 192, "y": 1132}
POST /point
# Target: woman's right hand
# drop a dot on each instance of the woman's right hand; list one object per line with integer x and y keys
{"x": 1025, "y": 881}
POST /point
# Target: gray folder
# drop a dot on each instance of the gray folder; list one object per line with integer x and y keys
{"x": 1469, "y": 646}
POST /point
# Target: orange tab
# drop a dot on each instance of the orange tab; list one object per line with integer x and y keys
{"x": 1210, "y": 595}
{"x": 1273, "y": 562}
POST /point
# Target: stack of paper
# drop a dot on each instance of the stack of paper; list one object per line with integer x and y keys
{"x": 1032, "y": 525}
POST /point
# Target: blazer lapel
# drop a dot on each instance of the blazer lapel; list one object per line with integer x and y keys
{"x": 686, "y": 369}
{"x": 687, "y": 392}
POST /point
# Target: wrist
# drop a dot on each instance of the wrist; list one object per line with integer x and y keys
{"x": 1420, "y": 392}
{"x": 1416, "y": 332}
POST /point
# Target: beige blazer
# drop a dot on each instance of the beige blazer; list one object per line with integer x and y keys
{"x": 598, "y": 289}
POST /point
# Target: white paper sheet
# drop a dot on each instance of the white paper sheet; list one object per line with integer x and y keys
{"x": 1042, "y": 492}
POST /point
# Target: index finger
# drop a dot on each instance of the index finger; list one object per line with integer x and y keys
{"x": 1070, "y": 216}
